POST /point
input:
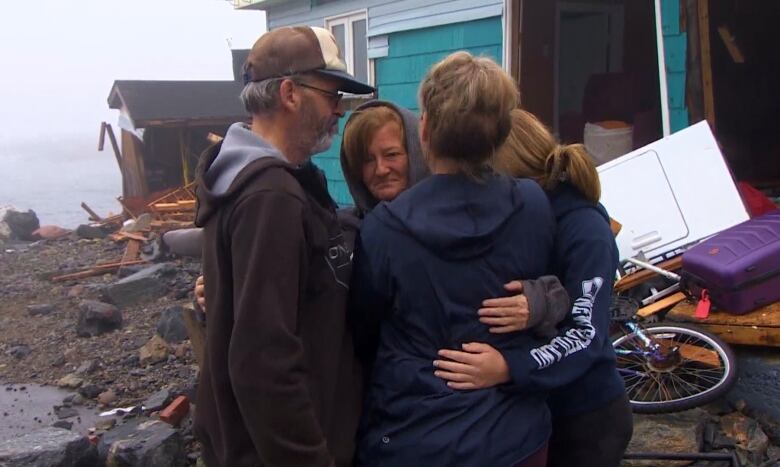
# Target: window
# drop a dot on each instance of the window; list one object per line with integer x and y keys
{"x": 350, "y": 33}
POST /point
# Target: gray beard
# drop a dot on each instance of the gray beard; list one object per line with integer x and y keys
{"x": 321, "y": 139}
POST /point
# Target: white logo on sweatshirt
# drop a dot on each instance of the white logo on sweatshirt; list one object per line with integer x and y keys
{"x": 577, "y": 338}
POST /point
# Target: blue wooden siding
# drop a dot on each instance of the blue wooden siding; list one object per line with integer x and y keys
{"x": 675, "y": 50}
{"x": 398, "y": 75}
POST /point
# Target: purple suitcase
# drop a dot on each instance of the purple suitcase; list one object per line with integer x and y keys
{"x": 739, "y": 267}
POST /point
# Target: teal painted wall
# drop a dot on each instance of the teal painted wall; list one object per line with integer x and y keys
{"x": 398, "y": 75}
{"x": 675, "y": 50}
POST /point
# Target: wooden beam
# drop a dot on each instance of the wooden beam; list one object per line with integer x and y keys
{"x": 745, "y": 335}
{"x": 96, "y": 270}
{"x": 768, "y": 316}
{"x": 662, "y": 304}
{"x": 196, "y": 331}
{"x": 731, "y": 44}
{"x": 92, "y": 214}
{"x": 706, "y": 62}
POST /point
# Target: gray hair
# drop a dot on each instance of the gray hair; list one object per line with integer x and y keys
{"x": 261, "y": 97}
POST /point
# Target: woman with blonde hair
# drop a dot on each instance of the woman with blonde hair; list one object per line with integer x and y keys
{"x": 423, "y": 264}
{"x": 592, "y": 420}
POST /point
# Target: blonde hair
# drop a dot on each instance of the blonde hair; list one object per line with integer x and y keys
{"x": 531, "y": 151}
{"x": 360, "y": 130}
{"x": 467, "y": 102}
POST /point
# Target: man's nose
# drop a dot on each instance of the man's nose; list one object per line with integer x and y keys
{"x": 339, "y": 109}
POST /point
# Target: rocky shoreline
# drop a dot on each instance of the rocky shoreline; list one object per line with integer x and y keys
{"x": 110, "y": 341}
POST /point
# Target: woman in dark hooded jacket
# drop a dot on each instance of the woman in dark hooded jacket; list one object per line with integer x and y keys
{"x": 425, "y": 261}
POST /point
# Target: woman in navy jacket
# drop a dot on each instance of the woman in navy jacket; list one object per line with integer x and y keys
{"x": 425, "y": 262}
{"x": 592, "y": 421}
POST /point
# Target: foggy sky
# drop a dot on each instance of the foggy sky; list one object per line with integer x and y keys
{"x": 58, "y": 59}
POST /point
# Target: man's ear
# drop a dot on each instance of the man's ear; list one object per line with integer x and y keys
{"x": 288, "y": 97}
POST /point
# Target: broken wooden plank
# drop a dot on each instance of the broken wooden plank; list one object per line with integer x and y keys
{"x": 706, "y": 62}
{"x": 700, "y": 354}
{"x": 96, "y": 270}
{"x": 745, "y": 335}
{"x": 662, "y": 304}
{"x": 731, "y": 44}
{"x": 120, "y": 235}
{"x": 131, "y": 251}
{"x": 196, "y": 331}
{"x": 92, "y": 214}
{"x": 634, "y": 279}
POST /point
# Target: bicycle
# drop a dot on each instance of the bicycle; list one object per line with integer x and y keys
{"x": 669, "y": 367}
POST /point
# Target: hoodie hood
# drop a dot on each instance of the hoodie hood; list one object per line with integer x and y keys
{"x": 454, "y": 215}
{"x": 566, "y": 198}
{"x": 222, "y": 167}
{"x": 418, "y": 169}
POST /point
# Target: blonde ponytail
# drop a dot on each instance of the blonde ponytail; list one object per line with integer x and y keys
{"x": 531, "y": 151}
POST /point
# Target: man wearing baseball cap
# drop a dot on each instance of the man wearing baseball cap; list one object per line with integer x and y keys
{"x": 279, "y": 385}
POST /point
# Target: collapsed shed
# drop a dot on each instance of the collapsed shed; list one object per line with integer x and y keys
{"x": 165, "y": 126}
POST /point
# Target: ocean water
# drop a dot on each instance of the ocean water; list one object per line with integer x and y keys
{"x": 53, "y": 175}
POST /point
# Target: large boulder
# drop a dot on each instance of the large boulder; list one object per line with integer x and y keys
{"x": 142, "y": 442}
{"x": 22, "y": 224}
{"x": 171, "y": 325}
{"x": 97, "y": 318}
{"x": 142, "y": 286}
{"x": 49, "y": 447}
{"x": 90, "y": 232}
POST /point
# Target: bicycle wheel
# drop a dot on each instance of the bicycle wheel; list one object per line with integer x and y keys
{"x": 695, "y": 368}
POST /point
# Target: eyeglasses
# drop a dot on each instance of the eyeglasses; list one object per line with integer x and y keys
{"x": 335, "y": 96}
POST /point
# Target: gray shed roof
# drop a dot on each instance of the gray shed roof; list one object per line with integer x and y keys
{"x": 159, "y": 103}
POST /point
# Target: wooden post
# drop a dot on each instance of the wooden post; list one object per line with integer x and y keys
{"x": 706, "y": 62}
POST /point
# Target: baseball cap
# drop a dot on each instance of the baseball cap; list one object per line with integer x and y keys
{"x": 290, "y": 50}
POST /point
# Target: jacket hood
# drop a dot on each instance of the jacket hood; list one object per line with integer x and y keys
{"x": 418, "y": 169}
{"x": 459, "y": 218}
{"x": 566, "y": 198}
{"x": 227, "y": 165}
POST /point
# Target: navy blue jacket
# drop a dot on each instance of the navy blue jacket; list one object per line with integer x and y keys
{"x": 578, "y": 365}
{"x": 424, "y": 264}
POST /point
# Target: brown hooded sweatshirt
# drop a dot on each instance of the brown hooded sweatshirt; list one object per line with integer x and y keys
{"x": 280, "y": 385}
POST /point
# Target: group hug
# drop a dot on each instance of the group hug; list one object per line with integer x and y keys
{"x": 456, "y": 315}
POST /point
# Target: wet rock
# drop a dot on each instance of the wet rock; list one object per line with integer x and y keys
{"x": 76, "y": 291}
{"x": 48, "y": 447}
{"x": 157, "y": 401}
{"x": 142, "y": 442}
{"x": 87, "y": 367}
{"x": 64, "y": 424}
{"x": 140, "y": 287}
{"x": 91, "y": 391}
{"x": 70, "y": 381}
{"x": 63, "y": 412}
{"x": 19, "y": 351}
{"x": 751, "y": 441}
{"x": 156, "y": 350}
{"x": 171, "y": 325}
{"x": 22, "y": 224}
{"x": 73, "y": 399}
{"x": 107, "y": 397}
{"x": 97, "y": 318}
{"x": 40, "y": 310}
{"x": 58, "y": 361}
{"x": 106, "y": 424}
{"x": 677, "y": 432}
{"x": 90, "y": 232}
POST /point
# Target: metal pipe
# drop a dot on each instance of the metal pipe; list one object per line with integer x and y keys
{"x": 654, "y": 268}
